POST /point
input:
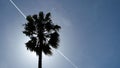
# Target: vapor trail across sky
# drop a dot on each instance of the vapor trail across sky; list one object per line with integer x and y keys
{"x": 18, "y": 8}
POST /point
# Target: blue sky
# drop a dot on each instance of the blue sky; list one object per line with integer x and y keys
{"x": 90, "y": 34}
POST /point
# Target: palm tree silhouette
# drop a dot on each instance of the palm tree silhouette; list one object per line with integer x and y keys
{"x": 43, "y": 34}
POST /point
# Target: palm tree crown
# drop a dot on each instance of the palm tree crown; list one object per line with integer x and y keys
{"x": 42, "y": 32}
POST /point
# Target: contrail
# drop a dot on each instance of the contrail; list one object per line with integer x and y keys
{"x": 18, "y": 8}
{"x": 57, "y": 50}
{"x": 67, "y": 59}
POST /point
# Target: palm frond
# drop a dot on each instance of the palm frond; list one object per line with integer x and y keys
{"x": 49, "y": 26}
{"x": 27, "y": 33}
{"x": 31, "y": 44}
{"x": 35, "y": 17}
{"x": 29, "y": 26}
{"x": 47, "y": 17}
{"x": 54, "y": 40}
{"x": 57, "y": 27}
{"x": 41, "y": 15}
{"x": 37, "y": 50}
{"x": 29, "y": 18}
{"x": 46, "y": 49}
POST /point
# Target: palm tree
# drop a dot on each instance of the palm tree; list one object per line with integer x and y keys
{"x": 43, "y": 34}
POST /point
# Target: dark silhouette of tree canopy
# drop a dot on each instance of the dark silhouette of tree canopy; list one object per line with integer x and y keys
{"x": 43, "y": 34}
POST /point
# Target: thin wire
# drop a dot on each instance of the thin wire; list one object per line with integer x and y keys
{"x": 18, "y": 8}
{"x": 57, "y": 50}
{"x": 67, "y": 59}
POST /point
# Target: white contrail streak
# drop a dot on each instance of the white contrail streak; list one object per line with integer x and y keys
{"x": 18, "y": 8}
{"x": 57, "y": 50}
{"x": 67, "y": 59}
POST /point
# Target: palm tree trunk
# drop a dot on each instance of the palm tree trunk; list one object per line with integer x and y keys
{"x": 40, "y": 60}
{"x": 40, "y": 36}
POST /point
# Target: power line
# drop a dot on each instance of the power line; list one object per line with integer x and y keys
{"x": 57, "y": 50}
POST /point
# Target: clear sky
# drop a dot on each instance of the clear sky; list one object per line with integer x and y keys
{"x": 90, "y": 34}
